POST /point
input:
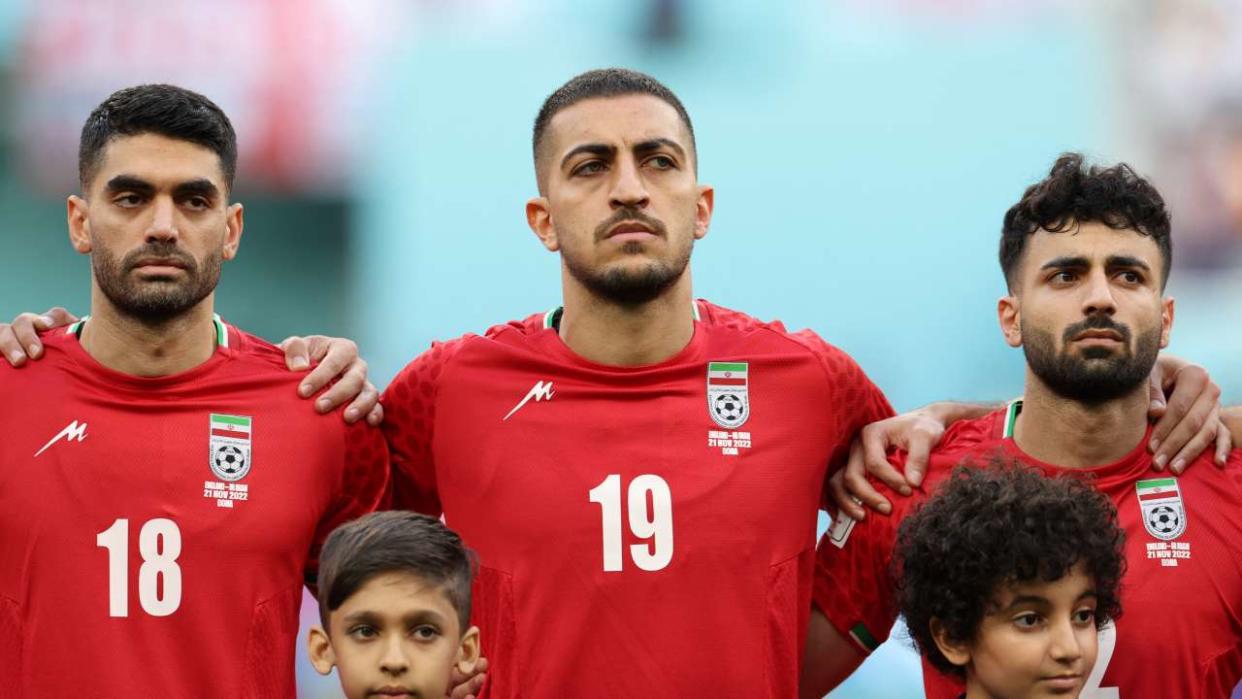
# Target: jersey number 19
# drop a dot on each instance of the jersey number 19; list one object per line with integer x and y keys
{"x": 650, "y": 517}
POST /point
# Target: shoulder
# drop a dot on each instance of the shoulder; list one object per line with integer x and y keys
{"x": 964, "y": 442}
{"x": 726, "y": 320}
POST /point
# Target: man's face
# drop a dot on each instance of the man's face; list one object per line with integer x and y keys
{"x": 1088, "y": 311}
{"x": 157, "y": 224}
{"x": 397, "y": 636}
{"x": 621, "y": 202}
{"x": 1039, "y": 639}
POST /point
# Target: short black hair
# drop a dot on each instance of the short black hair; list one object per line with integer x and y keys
{"x": 992, "y": 526}
{"x": 1075, "y": 193}
{"x": 396, "y": 541}
{"x": 166, "y": 110}
{"x": 605, "y": 82}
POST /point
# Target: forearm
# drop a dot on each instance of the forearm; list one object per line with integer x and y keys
{"x": 829, "y": 658}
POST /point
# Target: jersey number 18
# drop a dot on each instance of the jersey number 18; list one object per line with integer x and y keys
{"x": 159, "y": 542}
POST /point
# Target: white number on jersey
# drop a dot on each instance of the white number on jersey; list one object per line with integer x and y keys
{"x": 654, "y": 523}
{"x": 1108, "y": 644}
{"x": 159, "y": 562}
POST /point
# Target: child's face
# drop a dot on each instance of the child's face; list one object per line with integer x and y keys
{"x": 397, "y": 636}
{"x": 1038, "y": 641}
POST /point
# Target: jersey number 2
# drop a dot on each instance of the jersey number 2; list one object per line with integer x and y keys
{"x": 1107, "y": 643}
{"x": 654, "y": 521}
{"x": 158, "y": 562}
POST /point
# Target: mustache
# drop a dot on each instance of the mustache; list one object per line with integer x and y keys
{"x": 1096, "y": 322}
{"x": 163, "y": 250}
{"x": 626, "y": 214}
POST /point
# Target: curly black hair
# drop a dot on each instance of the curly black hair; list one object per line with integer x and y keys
{"x": 996, "y": 525}
{"x": 1075, "y": 193}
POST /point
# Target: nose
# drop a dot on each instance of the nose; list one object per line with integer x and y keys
{"x": 1098, "y": 295}
{"x": 1066, "y": 646}
{"x": 394, "y": 662}
{"x": 628, "y": 188}
{"x": 163, "y": 224}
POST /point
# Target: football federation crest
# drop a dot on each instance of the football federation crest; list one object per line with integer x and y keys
{"x": 229, "y": 455}
{"x": 1164, "y": 514}
{"x": 727, "y": 399}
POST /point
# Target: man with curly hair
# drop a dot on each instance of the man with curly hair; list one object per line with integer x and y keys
{"x": 1005, "y": 577}
{"x": 1086, "y": 256}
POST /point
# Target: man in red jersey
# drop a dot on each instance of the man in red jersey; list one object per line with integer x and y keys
{"x": 162, "y": 492}
{"x": 1086, "y": 255}
{"x": 639, "y": 471}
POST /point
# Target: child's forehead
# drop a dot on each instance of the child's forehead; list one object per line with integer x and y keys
{"x": 1075, "y": 584}
{"x": 397, "y": 592}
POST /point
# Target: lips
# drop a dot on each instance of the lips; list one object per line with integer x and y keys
{"x": 391, "y": 691}
{"x": 159, "y": 262}
{"x": 629, "y": 227}
{"x": 1099, "y": 335}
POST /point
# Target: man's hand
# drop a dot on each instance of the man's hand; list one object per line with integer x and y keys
{"x": 468, "y": 686}
{"x": 19, "y": 340}
{"x": 1188, "y": 420}
{"x": 916, "y": 433}
{"x": 338, "y": 359}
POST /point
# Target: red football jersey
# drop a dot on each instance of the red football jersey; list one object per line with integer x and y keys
{"x": 155, "y": 533}
{"x": 1180, "y": 632}
{"x": 644, "y": 531}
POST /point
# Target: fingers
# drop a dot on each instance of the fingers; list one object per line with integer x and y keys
{"x": 1155, "y": 395}
{"x": 1224, "y": 444}
{"x": 921, "y": 444}
{"x": 875, "y": 444}
{"x": 297, "y": 359}
{"x": 856, "y": 485}
{"x": 363, "y": 404}
{"x": 349, "y": 384}
{"x": 376, "y": 417}
{"x": 1202, "y": 439}
{"x": 19, "y": 341}
{"x": 843, "y": 500}
{"x": 1193, "y": 402}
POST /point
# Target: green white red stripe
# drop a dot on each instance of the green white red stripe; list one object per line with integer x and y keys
{"x": 727, "y": 373}
{"x": 1157, "y": 489}
{"x": 230, "y": 426}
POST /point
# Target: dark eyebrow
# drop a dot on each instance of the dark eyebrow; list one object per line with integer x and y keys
{"x": 363, "y": 617}
{"x": 1126, "y": 261}
{"x": 655, "y": 144}
{"x": 129, "y": 183}
{"x": 202, "y": 188}
{"x": 424, "y": 616}
{"x": 1067, "y": 263}
{"x": 1025, "y": 599}
{"x": 593, "y": 148}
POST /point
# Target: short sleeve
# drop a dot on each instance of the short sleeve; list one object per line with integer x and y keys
{"x": 853, "y": 584}
{"x": 853, "y": 401}
{"x": 365, "y": 474}
{"x": 409, "y": 427}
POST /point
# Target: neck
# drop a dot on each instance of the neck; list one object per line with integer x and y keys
{"x": 1071, "y": 434}
{"x": 607, "y": 333}
{"x": 131, "y": 346}
{"x": 975, "y": 690}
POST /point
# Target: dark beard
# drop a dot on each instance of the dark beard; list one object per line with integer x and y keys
{"x": 1099, "y": 375}
{"x": 629, "y": 289}
{"x": 154, "y": 302}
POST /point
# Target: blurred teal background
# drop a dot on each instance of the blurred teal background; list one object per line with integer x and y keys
{"x": 863, "y": 154}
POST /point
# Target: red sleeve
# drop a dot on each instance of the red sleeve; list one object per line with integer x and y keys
{"x": 364, "y": 486}
{"x": 409, "y": 424}
{"x": 853, "y": 400}
{"x": 853, "y": 586}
